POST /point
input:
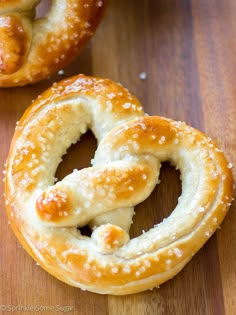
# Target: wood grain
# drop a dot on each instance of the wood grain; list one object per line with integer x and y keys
{"x": 188, "y": 51}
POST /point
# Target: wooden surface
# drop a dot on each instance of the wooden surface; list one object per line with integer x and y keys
{"x": 188, "y": 51}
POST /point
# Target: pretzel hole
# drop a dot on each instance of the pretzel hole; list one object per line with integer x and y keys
{"x": 78, "y": 156}
{"x": 43, "y": 8}
{"x": 85, "y": 230}
{"x": 160, "y": 203}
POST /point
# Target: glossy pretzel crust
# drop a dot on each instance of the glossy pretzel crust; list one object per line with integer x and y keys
{"x": 131, "y": 147}
{"x": 33, "y": 49}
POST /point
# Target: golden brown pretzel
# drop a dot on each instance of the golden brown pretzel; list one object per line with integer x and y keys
{"x": 131, "y": 146}
{"x": 32, "y": 49}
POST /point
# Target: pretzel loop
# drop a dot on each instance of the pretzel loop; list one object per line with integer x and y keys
{"x": 131, "y": 147}
{"x": 32, "y": 49}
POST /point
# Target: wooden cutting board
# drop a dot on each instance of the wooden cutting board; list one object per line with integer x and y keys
{"x": 187, "y": 49}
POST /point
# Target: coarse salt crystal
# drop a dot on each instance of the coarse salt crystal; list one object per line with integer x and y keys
{"x": 126, "y": 105}
{"x": 143, "y": 75}
{"x": 61, "y": 72}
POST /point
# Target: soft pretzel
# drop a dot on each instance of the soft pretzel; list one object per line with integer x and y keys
{"x": 46, "y": 216}
{"x": 33, "y": 49}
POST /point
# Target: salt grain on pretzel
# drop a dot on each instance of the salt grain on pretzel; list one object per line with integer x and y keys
{"x": 46, "y": 216}
{"x": 33, "y": 49}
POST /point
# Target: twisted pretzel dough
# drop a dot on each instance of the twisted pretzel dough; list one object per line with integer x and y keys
{"x": 32, "y": 49}
{"x": 131, "y": 146}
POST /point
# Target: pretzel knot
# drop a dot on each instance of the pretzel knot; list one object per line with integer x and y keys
{"x": 46, "y": 216}
{"x": 32, "y": 49}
